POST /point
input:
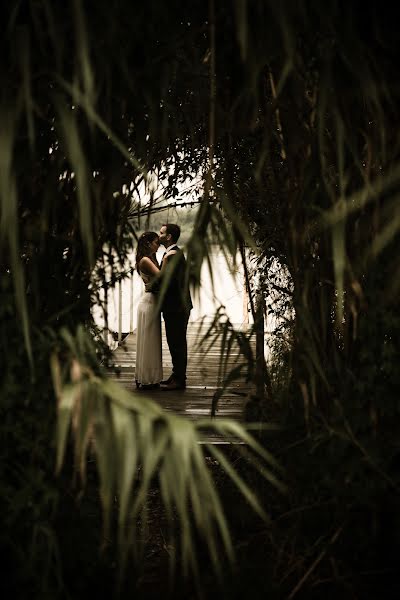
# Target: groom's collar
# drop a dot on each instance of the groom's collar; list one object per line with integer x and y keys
{"x": 172, "y": 247}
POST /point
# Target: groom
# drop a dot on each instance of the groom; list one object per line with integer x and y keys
{"x": 175, "y": 305}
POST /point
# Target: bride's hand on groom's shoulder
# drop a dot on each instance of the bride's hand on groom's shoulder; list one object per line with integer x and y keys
{"x": 167, "y": 256}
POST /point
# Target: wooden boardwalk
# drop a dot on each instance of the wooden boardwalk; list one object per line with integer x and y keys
{"x": 202, "y": 376}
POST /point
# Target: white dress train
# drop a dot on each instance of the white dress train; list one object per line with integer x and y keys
{"x": 148, "y": 369}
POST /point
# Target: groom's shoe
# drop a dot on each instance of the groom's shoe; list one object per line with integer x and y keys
{"x": 166, "y": 381}
{"x": 173, "y": 385}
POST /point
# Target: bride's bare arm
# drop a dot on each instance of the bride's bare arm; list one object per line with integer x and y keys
{"x": 155, "y": 283}
{"x": 147, "y": 266}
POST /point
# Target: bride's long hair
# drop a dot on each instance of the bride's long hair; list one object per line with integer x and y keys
{"x": 143, "y": 247}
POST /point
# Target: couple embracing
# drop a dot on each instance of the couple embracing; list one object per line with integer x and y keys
{"x": 166, "y": 291}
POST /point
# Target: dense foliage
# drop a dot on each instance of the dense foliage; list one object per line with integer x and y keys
{"x": 286, "y": 118}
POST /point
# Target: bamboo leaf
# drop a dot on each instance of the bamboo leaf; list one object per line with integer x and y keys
{"x": 238, "y": 481}
{"x": 127, "y": 457}
{"x": 78, "y": 161}
{"x": 64, "y": 416}
{"x": 82, "y": 45}
{"x": 9, "y": 225}
{"x": 24, "y": 43}
{"x": 106, "y": 459}
{"x": 131, "y": 436}
{"x": 339, "y": 262}
{"x": 241, "y": 26}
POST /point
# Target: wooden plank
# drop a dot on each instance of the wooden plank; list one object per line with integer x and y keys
{"x": 203, "y": 379}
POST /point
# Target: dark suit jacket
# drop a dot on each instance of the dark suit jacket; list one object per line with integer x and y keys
{"x": 177, "y": 295}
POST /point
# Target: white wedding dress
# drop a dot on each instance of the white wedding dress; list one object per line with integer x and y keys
{"x": 148, "y": 339}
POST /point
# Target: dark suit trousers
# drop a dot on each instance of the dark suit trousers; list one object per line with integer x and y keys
{"x": 175, "y": 329}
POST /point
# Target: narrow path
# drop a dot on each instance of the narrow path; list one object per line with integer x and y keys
{"x": 203, "y": 379}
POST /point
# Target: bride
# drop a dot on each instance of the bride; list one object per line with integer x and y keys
{"x": 148, "y": 373}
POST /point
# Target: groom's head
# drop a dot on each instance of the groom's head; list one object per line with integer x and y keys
{"x": 169, "y": 234}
